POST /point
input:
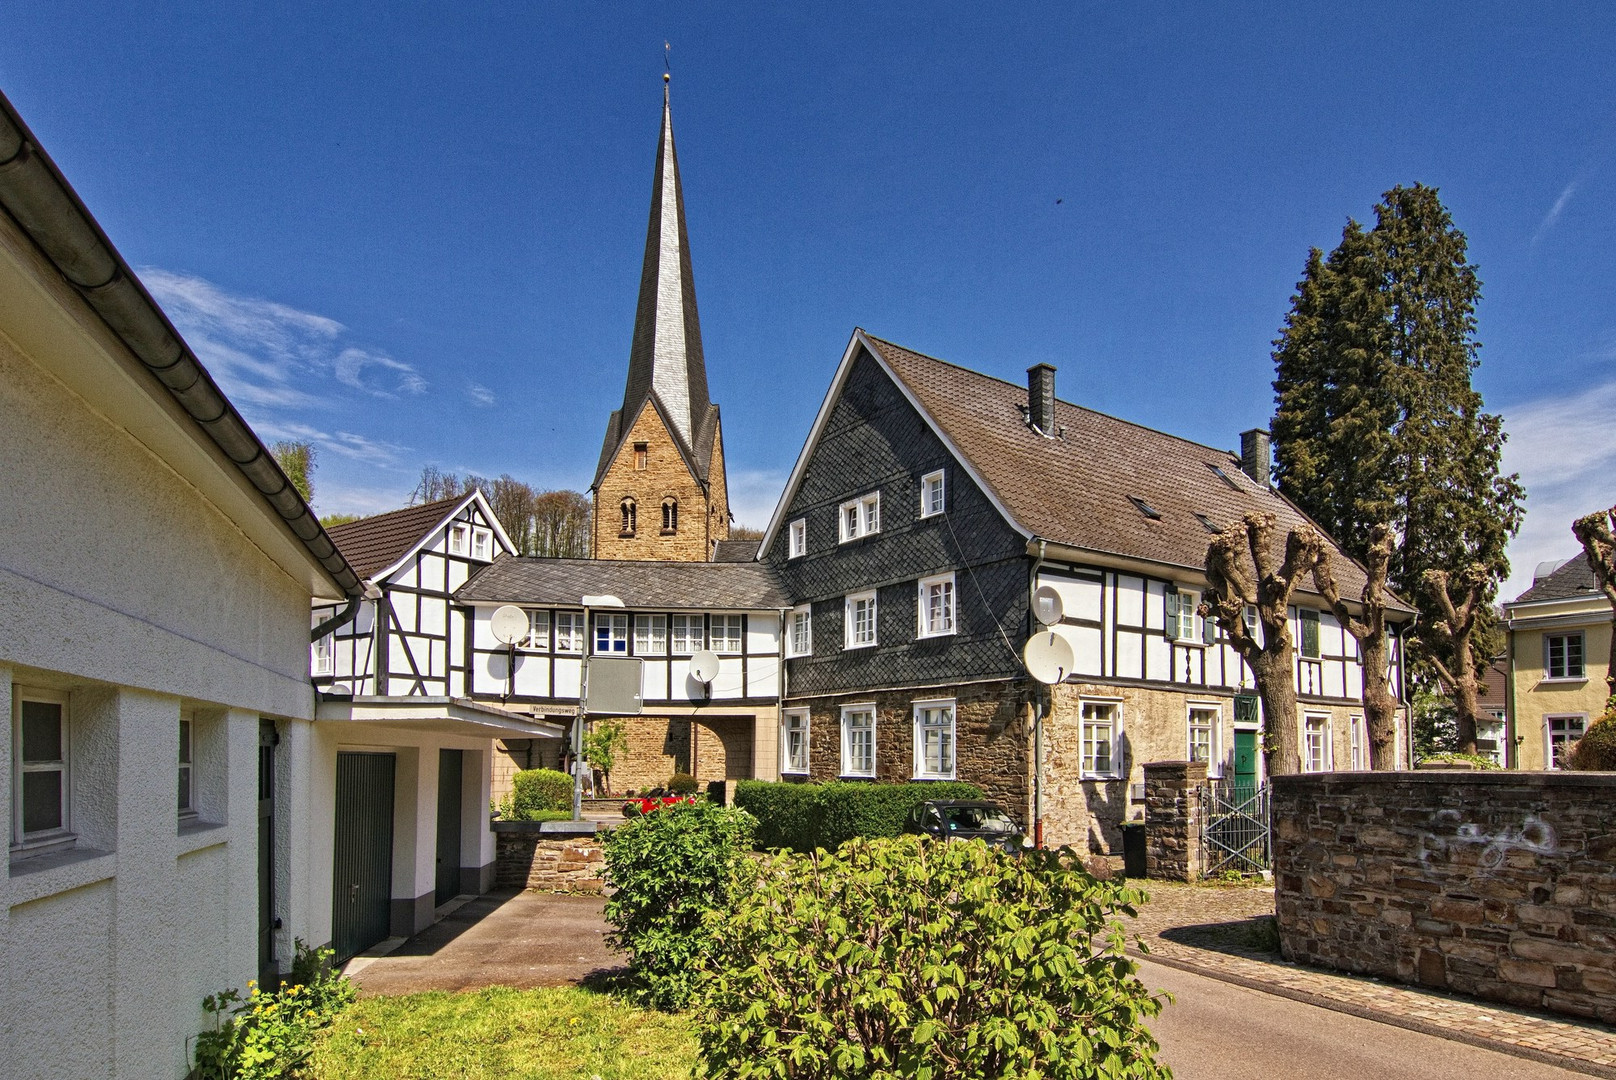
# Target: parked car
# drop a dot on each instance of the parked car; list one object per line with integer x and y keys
{"x": 967, "y": 819}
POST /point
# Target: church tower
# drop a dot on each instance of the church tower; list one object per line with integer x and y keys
{"x": 659, "y": 490}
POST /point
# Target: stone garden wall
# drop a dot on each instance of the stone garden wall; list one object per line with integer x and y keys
{"x": 549, "y": 856}
{"x": 1497, "y": 884}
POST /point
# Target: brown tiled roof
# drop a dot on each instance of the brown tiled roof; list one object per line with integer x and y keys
{"x": 1574, "y": 578}
{"x": 1077, "y": 487}
{"x": 373, "y": 544}
{"x": 735, "y": 550}
{"x": 639, "y": 584}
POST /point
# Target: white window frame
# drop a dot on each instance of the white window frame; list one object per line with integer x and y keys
{"x": 1089, "y": 763}
{"x": 802, "y": 615}
{"x": 482, "y": 544}
{"x": 1495, "y": 718}
{"x": 794, "y": 722}
{"x": 925, "y": 713}
{"x": 1548, "y": 735}
{"x": 1301, "y": 635}
{"x": 19, "y": 768}
{"x": 458, "y": 532}
{"x": 1358, "y": 742}
{"x": 616, "y": 625}
{"x": 186, "y": 795}
{"x": 726, "y": 634}
{"x": 933, "y": 483}
{"x": 1214, "y": 729}
{"x": 944, "y": 584}
{"x": 849, "y": 712}
{"x": 650, "y": 635}
{"x": 569, "y": 632}
{"x": 538, "y": 630}
{"x": 859, "y": 517}
{"x": 322, "y": 655}
{"x": 850, "y": 627}
{"x": 1548, "y": 653}
{"x": 1326, "y": 759}
{"x": 797, "y": 539}
{"x": 687, "y": 634}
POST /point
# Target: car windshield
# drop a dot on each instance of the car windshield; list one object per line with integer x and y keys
{"x": 977, "y": 818}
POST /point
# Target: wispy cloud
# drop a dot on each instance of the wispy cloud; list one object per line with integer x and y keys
{"x": 1556, "y": 210}
{"x": 753, "y": 494}
{"x": 480, "y": 395}
{"x": 1562, "y": 448}
{"x": 271, "y": 355}
{"x": 342, "y": 443}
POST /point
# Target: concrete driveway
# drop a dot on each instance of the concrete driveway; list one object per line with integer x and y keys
{"x": 521, "y": 939}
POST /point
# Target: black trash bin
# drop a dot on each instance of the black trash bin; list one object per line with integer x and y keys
{"x": 718, "y": 792}
{"x": 1133, "y": 849}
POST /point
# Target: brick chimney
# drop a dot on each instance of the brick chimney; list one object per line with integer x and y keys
{"x": 1041, "y": 398}
{"x": 1256, "y": 457}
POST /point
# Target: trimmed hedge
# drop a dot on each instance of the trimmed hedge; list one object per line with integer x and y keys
{"x": 805, "y": 817}
{"x": 534, "y": 790}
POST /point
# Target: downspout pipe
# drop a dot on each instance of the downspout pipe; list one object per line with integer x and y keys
{"x": 36, "y": 195}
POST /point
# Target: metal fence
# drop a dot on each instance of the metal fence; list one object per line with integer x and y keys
{"x": 1234, "y": 830}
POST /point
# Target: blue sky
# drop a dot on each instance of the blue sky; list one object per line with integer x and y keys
{"x": 412, "y": 232}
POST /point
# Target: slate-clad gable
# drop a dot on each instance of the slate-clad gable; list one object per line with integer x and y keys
{"x": 875, "y": 440}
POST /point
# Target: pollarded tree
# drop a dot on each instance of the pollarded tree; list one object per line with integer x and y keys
{"x": 1241, "y": 573}
{"x": 1597, "y": 535}
{"x": 1377, "y": 420}
{"x": 1462, "y": 601}
{"x": 1368, "y": 628}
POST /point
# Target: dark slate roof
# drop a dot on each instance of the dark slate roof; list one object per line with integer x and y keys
{"x": 1076, "y": 488}
{"x": 373, "y": 544}
{"x": 735, "y": 550}
{"x": 1575, "y": 578}
{"x": 680, "y": 585}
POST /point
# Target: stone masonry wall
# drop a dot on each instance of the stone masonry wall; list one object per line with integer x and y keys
{"x": 528, "y": 859}
{"x": 1497, "y": 884}
{"x": 1173, "y": 819}
{"x": 703, "y": 517}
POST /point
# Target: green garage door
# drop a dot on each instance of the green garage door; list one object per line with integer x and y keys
{"x": 448, "y": 883}
{"x": 361, "y": 884}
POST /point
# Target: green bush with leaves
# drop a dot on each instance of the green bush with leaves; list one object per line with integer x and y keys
{"x": 1596, "y": 750}
{"x": 537, "y": 795}
{"x": 682, "y": 784}
{"x": 668, "y": 870}
{"x": 270, "y": 1034}
{"x": 909, "y": 957}
{"x": 805, "y": 817}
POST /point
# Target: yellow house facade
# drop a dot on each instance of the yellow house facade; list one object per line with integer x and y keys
{"x": 1559, "y": 650}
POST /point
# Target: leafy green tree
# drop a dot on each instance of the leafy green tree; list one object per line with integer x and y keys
{"x": 1597, "y": 535}
{"x": 604, "y": 743}
{"x": 913, "y": 957}
{"x": 296, "y": 460}
{"x": 1377, "y": 422}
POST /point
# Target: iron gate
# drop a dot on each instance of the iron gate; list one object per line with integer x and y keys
{"x": 1234, "y": 830}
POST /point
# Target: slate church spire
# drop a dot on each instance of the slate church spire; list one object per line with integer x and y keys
{"x": 665, "y": 403}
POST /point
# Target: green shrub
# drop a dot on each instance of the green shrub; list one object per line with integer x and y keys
{"x": 803, "y": 817}
{"x": 682, "y": 784}
{"x": 669, "y": 869}
{"x": 912, "y": 958}
{"x": 539, "y": 789}
{"x": 271, "y": 1033}
{"x": 1596, "y": 750}
{"x": 1480, "y": 761}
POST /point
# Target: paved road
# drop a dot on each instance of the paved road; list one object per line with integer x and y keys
{"x": 1218, "y": 1031}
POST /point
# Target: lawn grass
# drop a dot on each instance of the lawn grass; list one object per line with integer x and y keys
{"x": 553, "y": 1034}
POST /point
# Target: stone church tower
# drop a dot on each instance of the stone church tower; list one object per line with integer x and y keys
{"x": 659, "y": 490}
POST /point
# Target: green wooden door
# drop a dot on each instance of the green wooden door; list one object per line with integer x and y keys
{"x": 1245, "y": 760}
{"x": 448, "y": 878}
{"x": 362, "y": 860}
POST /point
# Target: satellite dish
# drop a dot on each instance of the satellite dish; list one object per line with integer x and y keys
{"x": 1047, "y": 606}
{"x": 509, "y": 624}
{"x": 1049, "y": 657}
{"x": 704, "y": 666}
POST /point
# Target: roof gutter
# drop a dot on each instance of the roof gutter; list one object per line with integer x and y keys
{"x": 37, "y": 196}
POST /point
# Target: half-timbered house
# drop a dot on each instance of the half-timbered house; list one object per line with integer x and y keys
{"x": 722, "y": 729}
{"x": 928, "y": 504}
{"x": 415, "y": 760}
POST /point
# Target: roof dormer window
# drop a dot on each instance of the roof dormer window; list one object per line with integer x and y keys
{"x": 1145, "y": 508}
{"x": 859, "y": 517}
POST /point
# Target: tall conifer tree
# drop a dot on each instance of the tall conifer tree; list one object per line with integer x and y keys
{"x": 1377, "y": 420}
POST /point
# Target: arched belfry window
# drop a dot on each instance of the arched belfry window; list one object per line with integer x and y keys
{"x": 630, "y": 517}
{"x": 670, "y": 515}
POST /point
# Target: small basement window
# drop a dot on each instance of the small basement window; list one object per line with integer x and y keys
{"x": 1145, "y": 508}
